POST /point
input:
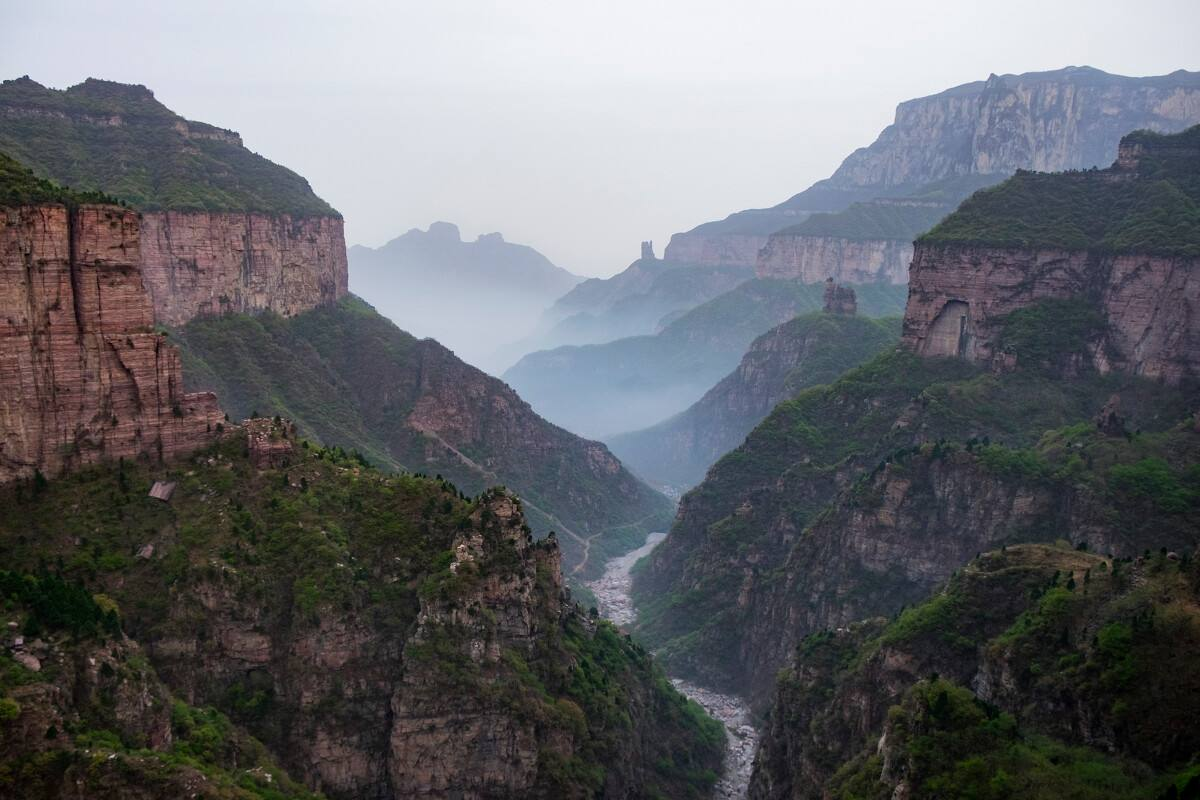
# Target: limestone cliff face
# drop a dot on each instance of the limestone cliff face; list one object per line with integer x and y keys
{"x": 1047, "y": 121}
{"x": 197, "y": 263}
{"x": 1070, "y": 118}
{"x": 83, "y": 374}
{"x": 814, "y": 258}
{"x": 959, "y": 296}
{"x": 738, "y": 249}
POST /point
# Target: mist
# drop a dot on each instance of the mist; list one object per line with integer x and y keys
{"x": 579, "y": 130}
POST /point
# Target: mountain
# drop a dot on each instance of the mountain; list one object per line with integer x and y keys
{"x": 222, "y": 228}
{"x": 349, "y": 377}
{"x": 83, "y": 374}
{"x": 640, "y": 300}
{"x": 602, "y": 390}
{"x": 472, "y": 297}
{"x": 1045, "y": 388}
{"x": 950, "y": 143}
{"x": 379, "y": 636}
{"x": 1035, "y": 671}
{"x": 807, "y": 351}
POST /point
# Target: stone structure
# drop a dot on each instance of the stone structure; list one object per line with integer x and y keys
{"x": 648, "y": 251}
{"x": 840, "y": 299}
{"x": 83, "y": 374}
{"x": 269, "y": 443}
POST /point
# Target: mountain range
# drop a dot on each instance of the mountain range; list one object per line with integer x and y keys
{"x": 473, "y": 297}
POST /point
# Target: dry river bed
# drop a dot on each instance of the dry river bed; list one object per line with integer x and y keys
{"x": 612, "y": 592}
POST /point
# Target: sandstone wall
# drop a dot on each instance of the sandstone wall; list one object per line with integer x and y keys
{"x": 210, "y": 263}
{"x": 959, "y": 296}
{"x": 83, "y": 375}
{"x": 812, "y": 259}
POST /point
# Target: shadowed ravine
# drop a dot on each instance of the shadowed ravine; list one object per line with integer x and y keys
{"x": 612, "y": 592}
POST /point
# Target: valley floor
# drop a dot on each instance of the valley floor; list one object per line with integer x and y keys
{"x": 612, "y": 590}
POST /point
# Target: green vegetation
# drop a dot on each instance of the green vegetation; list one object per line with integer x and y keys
{"x": 19, "y": 187}
{"x": 1030, "y": 427}
{"x": 638, "y": 381}
{"x": 1050, "y": 331}
{"x": 1093, "y": 650}
{"x": 878, "y": 219}
{"x": 323, "y": 544}
{"x": 680, "y": 450}
{"x": 1155, "y": 210}
{"x": 114, "y": 138}
{"x": 55, "y": 604}
{"x": 348, "y": 377}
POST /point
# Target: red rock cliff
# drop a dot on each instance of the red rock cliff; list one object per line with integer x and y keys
{"x": 198, "y": 263}
{"x": 959, "y": 295}
{"x": 83, "y": 375}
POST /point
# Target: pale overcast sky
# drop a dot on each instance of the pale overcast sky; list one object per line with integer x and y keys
{"x": 578, "y": 128}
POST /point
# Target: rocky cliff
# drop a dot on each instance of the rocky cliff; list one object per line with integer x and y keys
{"x": 83, "y": 714}
{"x": 1042, "y": 662}
{"x": 83, "y": 374}
{"x": 809, "y": 350}
{"x": 814, "y": 258}
{"x": 1065, "y": 119}
{"x": 381, "y": 636}
{"x": 349, "y": 377}
{"x": 1121, "y": 241}
{"x": 197, "y": 263}
{"x": 1050, "y": 293}
{"x": 224, "y": 229}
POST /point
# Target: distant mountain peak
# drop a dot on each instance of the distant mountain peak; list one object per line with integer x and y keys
{"x": 447, "y": 231}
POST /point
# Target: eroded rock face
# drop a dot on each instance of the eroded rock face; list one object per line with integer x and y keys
{"x": 83, "y": 375}
{"x": 959, "y": 296}
{"x": 474, "y": 746}
{"x": 197, "y": 263}
{"x": 811, "y": 259}
{"x": 1071, "y": 118}
{"x": 740, "y": 249}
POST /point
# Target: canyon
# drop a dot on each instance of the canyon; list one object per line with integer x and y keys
{"x": 857, "y": 497}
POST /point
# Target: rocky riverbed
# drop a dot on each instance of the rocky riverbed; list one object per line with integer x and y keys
{"x": 612, "y": 592}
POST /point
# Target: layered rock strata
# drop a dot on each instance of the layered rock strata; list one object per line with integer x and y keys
{"x": 197, "y": 263}
{"x": 813, "y": 258}
{"x": 83, "y": 374}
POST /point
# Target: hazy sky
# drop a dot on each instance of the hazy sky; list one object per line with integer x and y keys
{"x": 578, "y": 128}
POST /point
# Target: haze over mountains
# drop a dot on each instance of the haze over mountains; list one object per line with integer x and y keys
{"x": 269, "y": 529}
{"x": 473, "y": 297}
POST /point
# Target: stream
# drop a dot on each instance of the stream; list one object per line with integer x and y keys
{"x": 612, "y": 591}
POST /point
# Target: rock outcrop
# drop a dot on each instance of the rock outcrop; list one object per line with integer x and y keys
{"x": 83, "y": 374}
{"x": 1066, "y": 644}
{"x": 960, "y": 297}
{"x": 839, "y": 300}
{"x": 380, "y": 635}
{"x": 197, "y": 263}
{"x": 349, "y": 377}
{"x": 1118, "y": 243}
{"x": 1070, "y": 118}
{"x": 223, "y": 229}
{"x": 811, "y": 258}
